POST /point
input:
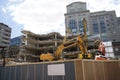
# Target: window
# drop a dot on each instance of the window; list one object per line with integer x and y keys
{"x": 8, "y": 31}
{"x": 103, "y": 27}
{"x": 80, "y": 24}
{"x": 106, "y": 16}
{"x": 5, "y": 42}
{"x": 111, "y": 19}
{"x": 81, "y": 27}
{"x": 70, "y": 16}
{"x": 73, "y": 25}
{"x": 106, "y": 20}
{"x": 101, "y": 18}
{"x": 73, "y": 30}
{"x": 95, "y": 28}
{"x": 94, "y": 19}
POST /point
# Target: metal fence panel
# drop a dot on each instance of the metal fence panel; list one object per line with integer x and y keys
{"x": 99, "y": 70}
{"x": 112, "y": 70}
{"x": 69, "y": 71}
{"x": 31, "y": 72}
{"x": 45, "y": 68}
{"x": 38, "y": 72}
{"x": 88, "y": 71}
{"x": 18, "y": 73}
{"x": 78, "y": 70}
{"x": 24, "y": 72}
{"x": 2, "y": 73}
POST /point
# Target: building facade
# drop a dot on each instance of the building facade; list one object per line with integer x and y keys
{"x": 74, "y": 17}
{"x": 5, "y": 33}
{"x": 102, "y": 24}
{"x": 17, "y": 41}
{"x": 118, "y": 21}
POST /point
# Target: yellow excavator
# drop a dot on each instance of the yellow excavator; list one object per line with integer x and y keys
{"x": 80, "y": 41}
{"x": 77, "y": 41}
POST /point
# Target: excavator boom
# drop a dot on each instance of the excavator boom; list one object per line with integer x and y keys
{"x": 82, "y": 43}
{"x": 70, "y": 43}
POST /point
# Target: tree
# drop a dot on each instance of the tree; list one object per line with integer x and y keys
{"x": 13, "y": 51}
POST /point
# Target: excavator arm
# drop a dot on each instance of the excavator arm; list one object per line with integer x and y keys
{"x": 80, "y": 41}
{"x": 82, "y": 45}
{"x": 83, "y": 48}
{"x": 58, "y": 51}
{"x": 70, "y": 43}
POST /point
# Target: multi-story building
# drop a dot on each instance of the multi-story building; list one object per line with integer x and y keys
{"x": 5, "y": 33}
{"x": 102, "y": 24}
{"x": 17, "y": 41}
{"x": 118, "y": 21}
{"x": 118, "y": 18}
{"x": 74, "y": 17}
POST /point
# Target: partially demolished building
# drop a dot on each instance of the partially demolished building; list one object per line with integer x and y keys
{"x": 36, "y": 44}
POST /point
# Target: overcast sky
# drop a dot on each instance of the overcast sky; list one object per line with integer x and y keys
{"x": 44, "y": 16}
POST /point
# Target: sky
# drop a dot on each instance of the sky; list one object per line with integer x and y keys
{"x": 45, "y": 16}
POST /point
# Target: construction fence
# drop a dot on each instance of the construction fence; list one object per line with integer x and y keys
{"x": 63, "y": 70}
